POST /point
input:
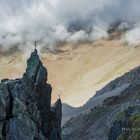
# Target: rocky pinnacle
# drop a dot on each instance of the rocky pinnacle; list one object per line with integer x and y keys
{"x": 25, "y": 106}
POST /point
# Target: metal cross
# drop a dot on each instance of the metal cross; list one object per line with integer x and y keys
{"x": 35, "y": 44}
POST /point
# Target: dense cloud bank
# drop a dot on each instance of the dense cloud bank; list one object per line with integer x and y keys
{"x": 51, "y": 21}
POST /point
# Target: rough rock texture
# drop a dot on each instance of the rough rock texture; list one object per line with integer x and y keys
{"x": 116, "y": 118}
{"x": 25, "y": 106}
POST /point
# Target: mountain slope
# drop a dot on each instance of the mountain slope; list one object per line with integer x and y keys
{"x": 113, "y": 88}
{"x": 116, "y": 118}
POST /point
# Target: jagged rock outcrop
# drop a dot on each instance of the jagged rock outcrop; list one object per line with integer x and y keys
{"x": 25, "y": 106}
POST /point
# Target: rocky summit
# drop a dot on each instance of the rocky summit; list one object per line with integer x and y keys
{"x": 25, "y": 106}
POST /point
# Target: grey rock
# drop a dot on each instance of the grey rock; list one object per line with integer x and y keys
{"x": 54, "y": 135}
{"x": 25, "y": 106}
{"x": 105, "y": 120}
{"x": 41, "y": 75}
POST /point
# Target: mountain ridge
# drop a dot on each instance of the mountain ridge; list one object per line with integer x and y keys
{"x": 113, "y": 88}
{"x": 114, "y": 118}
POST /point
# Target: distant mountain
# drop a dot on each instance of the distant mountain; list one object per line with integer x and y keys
{"x": 69, "y": 112}
{"x": 113, "y": 88}
{"x": 112, "y": 114}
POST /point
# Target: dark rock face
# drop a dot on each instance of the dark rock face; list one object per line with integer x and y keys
{"x": 25, "y": 106}
{"x": 115, "y": 130}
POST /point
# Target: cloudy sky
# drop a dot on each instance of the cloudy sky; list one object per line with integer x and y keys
{"x": 51, "y": 21}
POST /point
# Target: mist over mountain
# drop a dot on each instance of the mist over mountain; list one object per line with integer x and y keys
{"x": 53, "y": 21}
{"x": 111, "y": 114}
